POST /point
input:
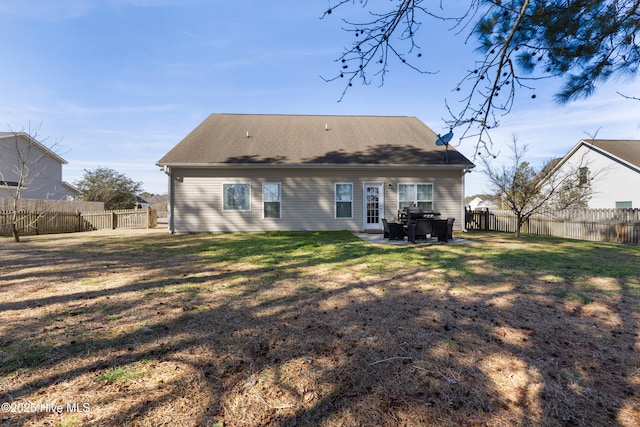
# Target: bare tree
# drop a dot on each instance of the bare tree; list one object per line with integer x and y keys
{"x": 584, "y": 43}
{"x": 574, "y": 191}
{"x": 21, "y": 164}
{"x": 526, "y": 190}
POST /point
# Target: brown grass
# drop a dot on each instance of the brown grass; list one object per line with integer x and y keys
{"x": 146, "y": 329}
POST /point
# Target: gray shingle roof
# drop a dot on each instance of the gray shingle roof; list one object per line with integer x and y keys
{"x": 627, "y": 150}
{"x": 309, "y": 139}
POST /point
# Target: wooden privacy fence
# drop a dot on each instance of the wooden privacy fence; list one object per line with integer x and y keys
{"x": 601, "y": 225}
{"x": 38, "y": 205}
{"x": 30, "y": 223}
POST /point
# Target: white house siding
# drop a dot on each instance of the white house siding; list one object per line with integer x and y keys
{"x": 307, "y": 197}
{"x": 612, "y": 181}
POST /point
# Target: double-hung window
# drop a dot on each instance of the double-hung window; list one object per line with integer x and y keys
{"x": 344, "y": 200}
{"x": 236, "y": 197}
{"x": 420, "y": 194}
{"x": 272, "y": 199}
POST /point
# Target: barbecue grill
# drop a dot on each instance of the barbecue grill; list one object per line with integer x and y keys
{"x": 413, "y": 212}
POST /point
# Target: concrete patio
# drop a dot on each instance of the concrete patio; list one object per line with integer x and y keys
{"x": 378, "y": 239}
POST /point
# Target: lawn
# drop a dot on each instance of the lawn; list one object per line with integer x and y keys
{"x": 144, "y": 328}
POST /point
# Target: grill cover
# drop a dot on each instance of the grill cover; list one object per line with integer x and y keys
{"x": 413, "y": 212}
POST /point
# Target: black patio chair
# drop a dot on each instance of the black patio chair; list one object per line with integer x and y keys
{"x": 424, "y": 228}
{"x": 385, "y": 225}
{"x": 440, "y": 229}
{"x": 450, "y": 228}
{"x": 396, "y": 231}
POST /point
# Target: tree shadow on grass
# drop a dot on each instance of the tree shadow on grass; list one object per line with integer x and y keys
{"x": 323, "y": 329}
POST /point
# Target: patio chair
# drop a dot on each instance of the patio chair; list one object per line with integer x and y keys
{"x": 385, "y": 225}
{"x": 440, "y": 227}
{"x": 424, "y": 228}
{"x": 396, "y": 231}
{"x": 450, "y": 228}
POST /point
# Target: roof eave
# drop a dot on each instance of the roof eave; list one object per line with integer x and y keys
{"x": 46, "y": 150}
{"x": 311, "y": 165}
{"x": 70, "y": 187}
{"x": 566, "y": 157}
{"x": 610, "y": 155}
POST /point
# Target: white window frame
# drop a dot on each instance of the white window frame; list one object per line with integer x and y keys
{"x": 279, "y": 184}
{"x": 336, "y": 201}
{"x": 415, "y": 201}
{"x": 224, "y": 184}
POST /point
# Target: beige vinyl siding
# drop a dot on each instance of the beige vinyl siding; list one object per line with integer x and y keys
{"x": 307, "y": 197}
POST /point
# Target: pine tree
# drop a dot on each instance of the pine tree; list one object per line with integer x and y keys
{"x": 582, "y": 42}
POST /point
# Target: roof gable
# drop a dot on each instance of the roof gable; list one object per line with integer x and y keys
{"x": 34, "y": 143}
{"x": 70, "y": 188}
{"x": 624, "y": 151}
{"x": 307, "y": 139}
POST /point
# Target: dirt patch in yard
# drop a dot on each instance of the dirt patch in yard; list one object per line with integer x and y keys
{"x": 144, "y": 328}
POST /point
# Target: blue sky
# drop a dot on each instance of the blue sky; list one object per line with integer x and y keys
{"x": 117, "y": 83}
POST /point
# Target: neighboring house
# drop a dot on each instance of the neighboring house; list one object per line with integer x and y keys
{"x": 613, "y": 166}
{"x": 42, "y": 171}
{"x": 251, "y": 173}
{"x": 142, "y": 203}
{"x": 478, "y": 203}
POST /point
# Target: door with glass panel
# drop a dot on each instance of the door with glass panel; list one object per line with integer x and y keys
{"x": 373, "y": 205}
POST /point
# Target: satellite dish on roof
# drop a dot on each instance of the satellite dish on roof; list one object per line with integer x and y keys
{"x": 444, "y": 139}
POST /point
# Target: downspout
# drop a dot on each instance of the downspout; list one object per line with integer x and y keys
{"x": 170, "y": 225}
{"x": 465, "y": 171}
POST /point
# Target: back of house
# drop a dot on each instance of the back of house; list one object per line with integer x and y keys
{"x": 252, "y": 173}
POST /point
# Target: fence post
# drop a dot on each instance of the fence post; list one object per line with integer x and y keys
{"x": 114, "y": 220}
